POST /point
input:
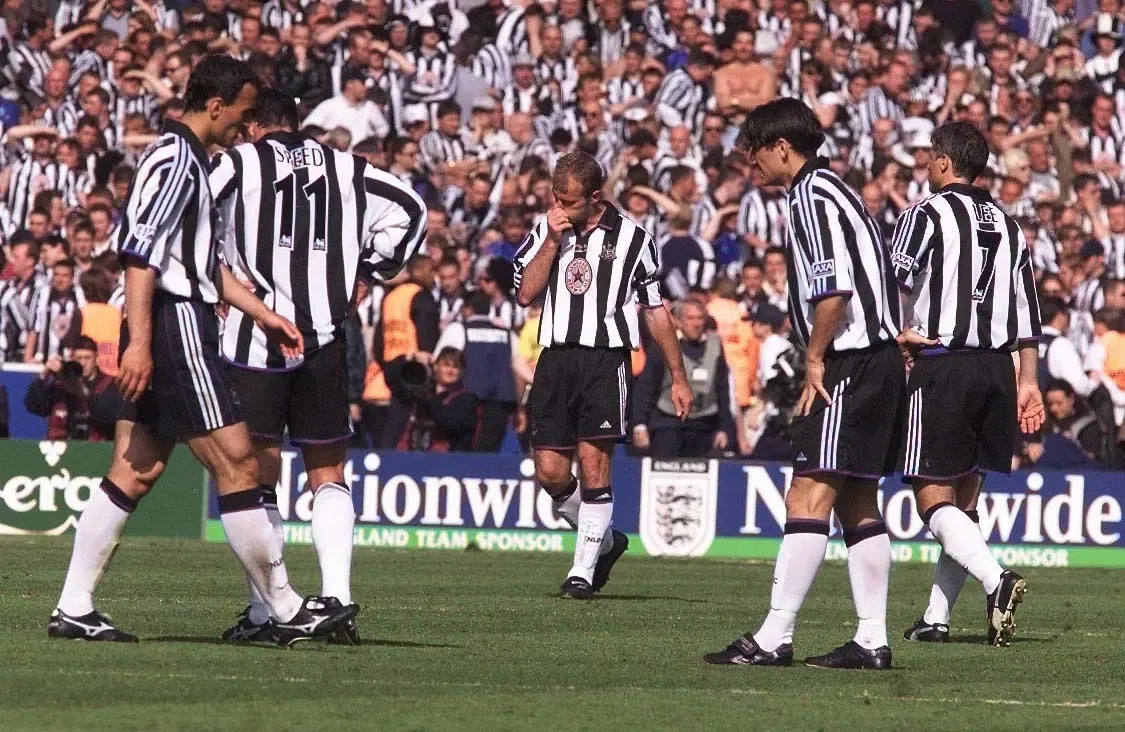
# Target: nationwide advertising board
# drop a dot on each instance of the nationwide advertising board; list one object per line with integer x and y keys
{"x": 686, "y": 508}
{"x": 45, "y": 485}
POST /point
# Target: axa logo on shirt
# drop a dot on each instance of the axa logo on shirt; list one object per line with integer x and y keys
{"x": 902, "y": 260}
{"x": 144, "y": 233}
{"x": 824, "y": 268}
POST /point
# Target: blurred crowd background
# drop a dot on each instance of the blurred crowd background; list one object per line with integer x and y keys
{"x": 471, "y": 103}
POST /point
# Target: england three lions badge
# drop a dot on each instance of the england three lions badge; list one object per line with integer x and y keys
{"x": 579, "y": 277}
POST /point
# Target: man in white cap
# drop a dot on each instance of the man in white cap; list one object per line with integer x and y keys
{"x": 524, "y": 94}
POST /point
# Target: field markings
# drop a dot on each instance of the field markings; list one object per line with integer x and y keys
{"x": 392, "y": 683}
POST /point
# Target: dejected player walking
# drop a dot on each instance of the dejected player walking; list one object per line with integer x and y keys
{"x": 968, "y": 268}
{"x": 171, "y": 373}
{"x": 302, "y": 221}
{"x": 844, "y": 307}
{"x": 596, "y": 265}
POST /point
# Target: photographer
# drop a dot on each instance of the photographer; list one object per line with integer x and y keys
{"x": 445, "y": 416}
{"x": 78, "y": 400}
{"x": 779, "y": 382}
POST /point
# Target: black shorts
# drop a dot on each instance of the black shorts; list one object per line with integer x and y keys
{"x": 579, "y": 395}
{"x": 189, "y": 393}
{"x": 961, "y": 415}
{"x": 859, "y": 433}
{"x": 311, "y": 400}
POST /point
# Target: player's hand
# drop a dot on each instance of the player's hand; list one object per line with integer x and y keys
{"x": 1030, "y": 408}
{"x": 1034, "y": 451}
{"x": 721, "y": 441}
{"x": 814, "y": 384}
{"x": 910, "y": 341}
{"x": 640, "y": 438}
{"x": 134, "y": 373}
{"x": 557, "y": 222}
{"x": 281, "y": 331}
{"x": 682, "y": 397}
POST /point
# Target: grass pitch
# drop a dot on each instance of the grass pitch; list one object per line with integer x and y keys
{"x": 477, "y": 641}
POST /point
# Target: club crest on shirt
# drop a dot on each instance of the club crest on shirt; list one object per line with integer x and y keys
{"x": 578, "y": 277}
{"x": 609, "y": 249}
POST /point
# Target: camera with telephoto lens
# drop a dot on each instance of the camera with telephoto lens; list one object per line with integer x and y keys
{"x": 784, "y": 389}
{"x": 418, "y": 379}
{"x": 71, "y": 371}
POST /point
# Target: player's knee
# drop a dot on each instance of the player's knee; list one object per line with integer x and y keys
{"x": 809, "y": 499}
{"x": 240, "y": 470}
{"x": 558, "y": 483}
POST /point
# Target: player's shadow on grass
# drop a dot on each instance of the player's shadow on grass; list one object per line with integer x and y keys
{"x": 404, "y": 644}
{"x": 211, "y": 641}
{"x": 982, "y": 640}
{"x": 648, "y": 598}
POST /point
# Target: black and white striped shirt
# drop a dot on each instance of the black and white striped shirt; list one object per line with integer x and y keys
{"x": 611, "y": 44}
{"x": 511, "y": 32}
{"x": 15, "y": 315}
{"x": 168, "y": 218}
{"x": 621, "y": 89}
{"x": 681, "y": 101}
{"x": 877, "y": 105}
{"x": 28, "y": 68}
{"x": 763, "y": 215}
{"x": 437, "y": 149}
{"x": 32, "y": 177}
{"x": 596, "y": 281}
{"x": 493, "y": 66}
{"x": 434, "y": 79}
{"x": 300, "y": 221}
{"x": 968, "y": 268}
{"x": 56, "y": 318}
{"x": 277, "y": 14}
{"x": 835, "y": 248}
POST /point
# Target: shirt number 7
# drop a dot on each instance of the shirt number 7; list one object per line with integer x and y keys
{"x": 989, "y": 241}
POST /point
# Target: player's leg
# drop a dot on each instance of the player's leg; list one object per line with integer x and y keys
{"x": 138, "y": 460}
{"x": 808, "y": 507}
{"x": 265, "y": 397}
{"x": 227, "y": 452}
{"x": 949, "y": 578}
{"x": 869, "y": 572}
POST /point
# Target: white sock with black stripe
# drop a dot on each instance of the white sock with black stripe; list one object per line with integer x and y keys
{"x": 594, "y": 518}
{"x": 566, "y": 507}
{"x": 95, "y": 539}
{"x": 798, "y": 561}
{"x": 333, "y": 525}
{"x": 960, "y": 538}
{"x": 869, "y": 570}
{"x": 949, "y": 578}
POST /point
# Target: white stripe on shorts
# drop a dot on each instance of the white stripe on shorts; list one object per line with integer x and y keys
{"x": 201, "y": 378}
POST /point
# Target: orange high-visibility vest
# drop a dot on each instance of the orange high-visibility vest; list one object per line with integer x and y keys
{"x": 637, "y": 359}
{"x": 101, "y": 322}
{"x": 375, "y": 389}
{"x": 1114, "y": 343}
{"x": 400, "y": 337}
{"x": 739, "y": 345}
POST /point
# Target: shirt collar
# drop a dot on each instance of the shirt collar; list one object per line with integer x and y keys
{"x": 974, "y": 192}
{"x": 179, "y": 128}
{"x": 811, "y": 166}
{"x": 286, "y": 137}
{"x": 610, "y": 217}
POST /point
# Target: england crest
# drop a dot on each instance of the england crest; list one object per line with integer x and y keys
{"x": 678, "y": 506}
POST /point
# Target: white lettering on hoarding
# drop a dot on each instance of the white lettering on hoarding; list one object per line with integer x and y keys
{"x": 759, "y": 484}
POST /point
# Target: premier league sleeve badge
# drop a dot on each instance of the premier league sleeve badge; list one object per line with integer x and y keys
{"x": 578, "y": 276}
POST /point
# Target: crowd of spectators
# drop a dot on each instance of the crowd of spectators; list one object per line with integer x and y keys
{"x": 471, "y": 103}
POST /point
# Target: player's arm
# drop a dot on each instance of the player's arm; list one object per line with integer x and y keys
{"x": 156, "y": 201}
{"x": 394, "y": 224}
{"x": 1029, "y": 328}
{"x": 535, "y": 256}
{"x": 911, "y": 244}
{"x": 278, "y": 329}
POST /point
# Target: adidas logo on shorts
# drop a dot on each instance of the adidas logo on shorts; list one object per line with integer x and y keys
{"x": 606, "y": 425}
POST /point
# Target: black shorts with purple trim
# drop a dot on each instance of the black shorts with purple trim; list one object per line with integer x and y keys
{"x": 580, "y": 394}
{"x": 859, "y": 433}
{"x": 188, "y": 393}
{"x": 310, "y": 402}
{"x": 960, "y": 414}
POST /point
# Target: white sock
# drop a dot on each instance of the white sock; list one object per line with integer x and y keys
{"x": 798, "y": 561}
{"x": 961, "y": 540}
{"x": 95, "y": 539}
{"x": 333, "y": 523}
{"x": 594, "y": 518}
{"x": 252, "y": 539}
{"x": 259, "y": 610}
{"x": 869, "y": 569}
{"x": 566, "y": 508}
{"x": 949, "y": 578}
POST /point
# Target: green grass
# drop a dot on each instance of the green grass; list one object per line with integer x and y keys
{"x": 476, "y": 641}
